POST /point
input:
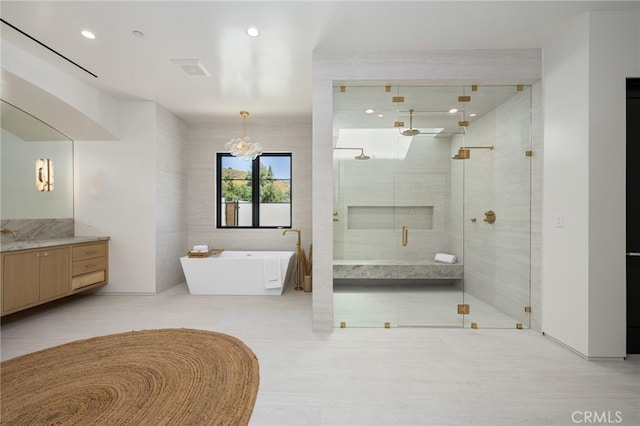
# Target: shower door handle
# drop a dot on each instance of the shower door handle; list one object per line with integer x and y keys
{"x": 405, "y": 235}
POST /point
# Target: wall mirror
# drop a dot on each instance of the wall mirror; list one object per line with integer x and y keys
{"x": 24, "y": 142}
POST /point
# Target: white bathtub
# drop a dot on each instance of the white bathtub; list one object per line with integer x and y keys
{"x": 240, "y": 273}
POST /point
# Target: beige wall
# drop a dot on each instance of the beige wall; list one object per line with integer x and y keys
{"x": 275, "y": 135}
{"x": 584, "y": 281}
{"x": 171, "y": 198}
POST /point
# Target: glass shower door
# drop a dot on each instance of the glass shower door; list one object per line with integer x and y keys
{"x": 364, "y": 233}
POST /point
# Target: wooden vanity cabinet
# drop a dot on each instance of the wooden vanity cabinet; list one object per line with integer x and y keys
{"x": 89, "y": 264}
{"x": 31, "y": 277}
{"x": 35, "y": 276}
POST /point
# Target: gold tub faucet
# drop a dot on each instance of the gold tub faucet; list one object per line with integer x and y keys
{"x": 300, "y": 261}
{"x": 293, "y": 230}
{"x": 13, "y": 233}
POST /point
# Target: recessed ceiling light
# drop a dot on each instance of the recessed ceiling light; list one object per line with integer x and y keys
{"x": 453, "y": 110}
{"x": 380, "y": 115}
{"x": 369, "y": 111}
{"x": 253, "y": 32}
{"x": 473, "y": 114}
{"x": 88, "y": 34}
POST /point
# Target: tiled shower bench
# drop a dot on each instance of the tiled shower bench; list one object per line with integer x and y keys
{"x": 396, "y": 269}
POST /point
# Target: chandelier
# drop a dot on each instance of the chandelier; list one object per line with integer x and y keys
{"x": 242, "y": 147}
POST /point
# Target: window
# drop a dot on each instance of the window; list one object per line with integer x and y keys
{"x": 253, "y": 194}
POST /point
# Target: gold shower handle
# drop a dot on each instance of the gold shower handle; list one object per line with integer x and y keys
{"x": 405, "y": 235}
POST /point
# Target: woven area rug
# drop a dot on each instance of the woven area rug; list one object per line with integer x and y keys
{"x": 149, "y": 377}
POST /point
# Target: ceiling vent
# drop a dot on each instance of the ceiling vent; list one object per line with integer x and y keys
{"x": 193, "y": 67}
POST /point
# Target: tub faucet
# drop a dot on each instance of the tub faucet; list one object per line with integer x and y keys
{"x": 13, "y": 233}
{"x": 300, "y": 261}
{"x": 293, "y": 230}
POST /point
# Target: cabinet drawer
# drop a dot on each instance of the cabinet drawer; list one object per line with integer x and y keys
{"x": 89, "y": 265}
{"x": 87, "y": 279}
{"x": 88, "y": 251}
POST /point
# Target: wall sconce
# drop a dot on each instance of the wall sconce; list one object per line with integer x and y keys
{"x": 44, "y": 174}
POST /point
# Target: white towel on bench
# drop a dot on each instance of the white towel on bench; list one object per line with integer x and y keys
{"x": 445, "y": 258}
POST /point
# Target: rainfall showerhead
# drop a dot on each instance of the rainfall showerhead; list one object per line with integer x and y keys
{"x": 464, "y": 152}
{"x": 360, "y": 156}
{"x": 410, "y": 131}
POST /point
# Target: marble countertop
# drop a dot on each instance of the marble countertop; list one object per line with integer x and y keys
{"x": 36, "y": 244}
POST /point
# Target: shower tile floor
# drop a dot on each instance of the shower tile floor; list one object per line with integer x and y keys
{"x": 414, "y": 305}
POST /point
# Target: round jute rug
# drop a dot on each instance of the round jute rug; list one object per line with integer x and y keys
{"x": 148, "y": 377}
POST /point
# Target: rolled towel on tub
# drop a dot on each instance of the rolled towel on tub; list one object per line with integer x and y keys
{"x": 202, "y": 248}
{"x": 445, "y": 258}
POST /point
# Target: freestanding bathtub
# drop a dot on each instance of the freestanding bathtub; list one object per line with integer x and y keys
{"x": 239, "y": 273}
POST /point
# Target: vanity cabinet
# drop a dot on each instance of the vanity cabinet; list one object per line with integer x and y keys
{"x": 89, "y": 265}
{"x": 35, "y": 276}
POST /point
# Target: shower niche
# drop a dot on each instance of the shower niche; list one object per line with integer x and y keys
{"x": 385, "y": 217}
{"x": 415, "y": 170}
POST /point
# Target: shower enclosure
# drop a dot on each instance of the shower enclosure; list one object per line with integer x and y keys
{"x": 421, "y": 171}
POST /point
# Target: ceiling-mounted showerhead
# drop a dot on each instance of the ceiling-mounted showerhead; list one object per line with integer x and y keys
{"x": 410, "y": 131}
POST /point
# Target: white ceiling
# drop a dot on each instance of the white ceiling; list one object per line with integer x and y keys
{"x": 270, "y": 75}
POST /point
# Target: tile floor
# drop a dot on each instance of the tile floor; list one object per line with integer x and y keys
{"x": 414, "y": 305}
{"x": 363, "y": 376}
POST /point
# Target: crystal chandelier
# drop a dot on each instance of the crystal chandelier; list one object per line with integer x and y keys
{"x": 242, "y": 147}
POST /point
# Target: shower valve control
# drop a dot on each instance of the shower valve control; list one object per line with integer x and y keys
{"x": 490, "y": 217}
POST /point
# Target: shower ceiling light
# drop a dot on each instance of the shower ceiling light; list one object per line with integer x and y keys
{"x": 242, "y": 147}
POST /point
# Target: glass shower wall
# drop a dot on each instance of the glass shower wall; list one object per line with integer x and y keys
{"x": 497, "y": 208}
{"x": 400, "y": 198}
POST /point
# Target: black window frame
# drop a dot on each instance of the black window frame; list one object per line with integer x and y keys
{"x": 255, "y": 179}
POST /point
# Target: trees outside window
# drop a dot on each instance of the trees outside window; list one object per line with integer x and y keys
{"x": 254, "y": 194}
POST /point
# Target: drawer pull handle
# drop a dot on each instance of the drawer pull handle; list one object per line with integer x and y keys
{"x": 90, "y": 252}
{"x": 91, "y": 265}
